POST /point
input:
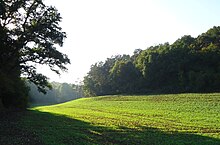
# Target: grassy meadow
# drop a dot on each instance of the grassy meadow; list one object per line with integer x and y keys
{"x": 176, "y": 119}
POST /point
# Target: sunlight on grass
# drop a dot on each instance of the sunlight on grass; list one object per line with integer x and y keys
{"x": 196, "y": 114}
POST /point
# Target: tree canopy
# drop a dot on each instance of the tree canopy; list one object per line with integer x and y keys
{"x": 188, "y": 65}
{"x": 30, "y": 34}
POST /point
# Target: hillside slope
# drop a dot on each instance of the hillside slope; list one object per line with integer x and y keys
{"x": 155, "y": 119}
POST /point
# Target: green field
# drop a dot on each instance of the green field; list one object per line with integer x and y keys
{"x": 182, "y": 119}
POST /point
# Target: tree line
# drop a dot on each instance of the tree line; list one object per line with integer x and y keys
{"x": 30, "y": 34}
{"x": 60, "y": 92}
{"x": 188, "y": 65}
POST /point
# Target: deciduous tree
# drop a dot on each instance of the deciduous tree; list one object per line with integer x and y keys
{"x": 30, "y": 34}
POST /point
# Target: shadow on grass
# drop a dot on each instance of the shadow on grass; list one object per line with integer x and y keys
{"x": 36, "y": 128}
{"x": 12, "y": 132}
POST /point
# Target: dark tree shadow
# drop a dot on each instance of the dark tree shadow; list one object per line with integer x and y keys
{"x": 12, "y": 132}
{"x": 34, "y": 127}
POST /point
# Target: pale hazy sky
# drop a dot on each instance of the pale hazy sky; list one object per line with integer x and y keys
{"x": 98, "y": 29}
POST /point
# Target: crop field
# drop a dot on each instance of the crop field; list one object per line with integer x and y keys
{"x": 176, "y": 119}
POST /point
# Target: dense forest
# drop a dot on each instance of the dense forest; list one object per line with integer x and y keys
{"x": 60, "y": 92}
{"x": 188, "y": 65}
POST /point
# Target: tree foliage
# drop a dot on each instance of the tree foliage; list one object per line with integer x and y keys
{"x": 188, "y": 65}
{"x": 60, "y": 92}
{"x": 30, "y": 33}
{"x": 112, "y": 77}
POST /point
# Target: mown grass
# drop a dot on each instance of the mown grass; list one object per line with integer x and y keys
{"x": 180, "y": 119}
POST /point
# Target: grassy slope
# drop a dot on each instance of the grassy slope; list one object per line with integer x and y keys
{"x": 157, "y": 119}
